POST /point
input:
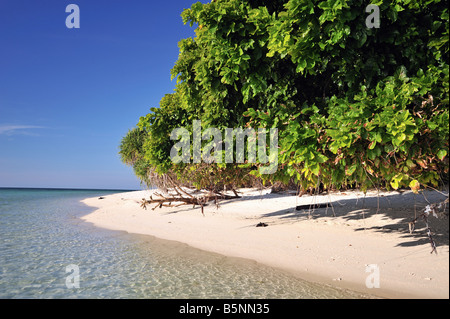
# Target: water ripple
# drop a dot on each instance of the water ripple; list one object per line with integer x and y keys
{"x": 41, "y": 237}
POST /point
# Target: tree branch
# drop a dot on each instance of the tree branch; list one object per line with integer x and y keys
{"x": 432, "y": 208}
{"x": 183, "y": 200}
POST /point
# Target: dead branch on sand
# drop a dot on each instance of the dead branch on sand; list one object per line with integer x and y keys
{"x": 433, "y": 209}
{"x": 184, "y": 198}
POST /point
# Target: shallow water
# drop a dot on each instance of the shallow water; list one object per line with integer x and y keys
{"x": 46, "y": 251}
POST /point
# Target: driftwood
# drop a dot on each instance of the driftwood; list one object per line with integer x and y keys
{"x": 433, "y": 209}
{"x": 261, "y": 224}
{"x": 312, "y": 206}
{"x": 184, "y": 198}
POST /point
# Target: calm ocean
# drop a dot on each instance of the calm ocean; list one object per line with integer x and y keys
{"x": 46, "y": 251}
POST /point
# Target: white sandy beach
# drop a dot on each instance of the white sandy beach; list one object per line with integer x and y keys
{"x": 315, "y": 246}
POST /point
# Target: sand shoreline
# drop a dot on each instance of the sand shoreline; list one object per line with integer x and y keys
{"x": 314, "y": 246}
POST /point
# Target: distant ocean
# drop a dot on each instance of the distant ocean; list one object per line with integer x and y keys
{"x": 47, "y": 251}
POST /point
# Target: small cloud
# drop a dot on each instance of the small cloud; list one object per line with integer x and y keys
{"x": 17, "y": 129}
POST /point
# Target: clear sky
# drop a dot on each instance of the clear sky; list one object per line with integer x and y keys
{"x": 68, "y": 96}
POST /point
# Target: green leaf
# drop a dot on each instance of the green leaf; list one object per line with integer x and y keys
{"x": 396, "y": 180}
{"x": 301, "y": 65}
{"x": 432, "y": 126}
{"x": 378, "y": 137}
{"x": 315, "y": 169}
{"x": 415, "y": 186}
{"x": 400, "y": 137}
{"x": 441, "y": 154}
{"x": 349, "y": 171}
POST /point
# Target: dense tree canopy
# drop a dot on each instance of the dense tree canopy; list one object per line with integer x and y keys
{"x": 354, "y": 106}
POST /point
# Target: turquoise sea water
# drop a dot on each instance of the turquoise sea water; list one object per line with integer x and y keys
{"x": 47, "y": 251}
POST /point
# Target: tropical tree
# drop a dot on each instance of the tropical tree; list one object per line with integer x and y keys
{"x": 354, "y": 105}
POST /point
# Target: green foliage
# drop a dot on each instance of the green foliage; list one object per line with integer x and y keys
{"x": 131, "y": 146}
{"x": 132, "y": 154}
{"x": 354, "y": 106}
{"x": 159, "y": 124}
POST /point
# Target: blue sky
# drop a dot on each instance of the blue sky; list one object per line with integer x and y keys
{"x": 68, "y": 96}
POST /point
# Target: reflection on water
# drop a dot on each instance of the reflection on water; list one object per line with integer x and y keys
{"x": 41, "y": 234}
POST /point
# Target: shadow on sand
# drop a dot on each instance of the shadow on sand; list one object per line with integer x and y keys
{"x": 396, "y": 210}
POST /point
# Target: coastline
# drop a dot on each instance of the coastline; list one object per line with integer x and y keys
{"x": 315, "y": 246}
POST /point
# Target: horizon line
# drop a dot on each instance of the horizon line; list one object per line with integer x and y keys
{"x": 68, "y": 188}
